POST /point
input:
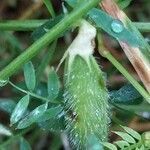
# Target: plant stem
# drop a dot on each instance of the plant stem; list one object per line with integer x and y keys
{"x": 31, "y": 94}
{"x": 30, "y": 25}
{"x": 51, "y": 35}
{"x": 105, "y": 53}
{"x": 49, "y": 6}
{"x": 139, "y": 88}
{"x": 20, "y": 25}
{"x": 142, "y": 26}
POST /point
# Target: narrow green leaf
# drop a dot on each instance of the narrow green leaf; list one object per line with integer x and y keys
{"x": 49, "y": 6}
{"x": 20, "y": 109}
{"x": 50, "y": 113}
{"x": 24, "y": 144}
{"x": 4, "y": 130}
{"x": 53, "y": 85}
{"x": 109, "y": 145}
{"x": 113, "y": 27}
{"x": 122, "y": 144}
{"x": 126, "y": 137}
{"x": 33, "y": 116}
{"x": 124, "y": 3}
{"x": 29, "y": 74}
{"x": 43, "y": 29}
{"x": 143, "y": 107}
{"x": 7, "y": 105}
{"x": 132, "y": 132}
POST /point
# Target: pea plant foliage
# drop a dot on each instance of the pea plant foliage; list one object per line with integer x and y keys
{"x": 72, "y": 98}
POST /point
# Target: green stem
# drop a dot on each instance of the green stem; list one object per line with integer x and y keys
{"x": 139, "y": 88}
{"x": 30, "y": 25}
{"x": 20, "y": 25}
{"x": 51, "y": 35}
{"x": 31, "y": 94}
{"x": 143, "y": 26}
{"x": 105, "y": 53}
{"x": 49, "y": 6}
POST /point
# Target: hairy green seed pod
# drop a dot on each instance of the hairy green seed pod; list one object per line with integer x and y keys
{"x": 86, "y": 104}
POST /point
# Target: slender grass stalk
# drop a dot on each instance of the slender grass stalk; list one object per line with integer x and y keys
{"x": 36, "y": 47}
{"x": 105, "y": 53}
{"x": 20, "y": 25}
{"x": 142, "y": 26}
{"x": 49, "y": 7}
{"x": 139, "y": 88}
{"x": 30, "y": 25}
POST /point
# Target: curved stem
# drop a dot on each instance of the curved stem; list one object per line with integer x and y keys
{"x": 31, "y": 94}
